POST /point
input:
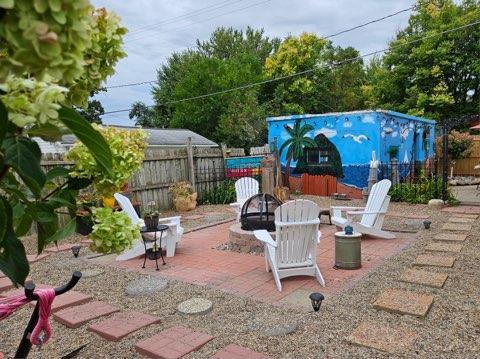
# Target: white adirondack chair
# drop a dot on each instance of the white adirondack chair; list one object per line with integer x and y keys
{"x": 170, "y": 238}
{"x": 372, "y": 215}
{"x": 293, "y": 253}
{"x": 245, "y": 188}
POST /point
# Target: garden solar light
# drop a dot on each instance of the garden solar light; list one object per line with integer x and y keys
{"x": 76, "y": 251}
{"x": 316, "y": 299}
{"x": 427, "y": 224}
{"x": 348, "y": 230}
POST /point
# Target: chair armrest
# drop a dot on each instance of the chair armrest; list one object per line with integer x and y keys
{"x": 235, "y": 204}
{"x": 312, "y": 221}
{"x": 345, "y": 208}
{"x": 265, "y": 237}
{"x": 175, "y": 219}
{"x": 356, "y": 213}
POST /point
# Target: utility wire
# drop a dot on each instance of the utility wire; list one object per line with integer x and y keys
{"x": 325, "y": 37}
{"x": 187, "y": 15}
{"x": 305, "y": 72}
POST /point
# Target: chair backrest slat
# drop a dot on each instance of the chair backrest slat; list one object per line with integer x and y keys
{"x": 375, "y": 201}
{"x": 245, "y": 188}
{"x": 296, "y": 243}
{"x": 127, "y": 207}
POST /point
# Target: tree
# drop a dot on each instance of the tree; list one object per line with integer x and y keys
{"x": 435, "y": 76}
{"x": 327, "y": 88}
{"x": 145, "y": 116}
{"x": 230, "y": 58}
{"x": 93, "y": 113}
{"x": 53, "y": 55}
{"x": 295, "y": 144}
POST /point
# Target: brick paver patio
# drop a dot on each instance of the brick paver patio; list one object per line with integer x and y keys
{"x": 197, "y": 261}
{"x": 234, "y": 351}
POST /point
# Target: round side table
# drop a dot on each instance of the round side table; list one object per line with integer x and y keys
{"x": 348, "y": 250}
{"x": 157, "y": 251}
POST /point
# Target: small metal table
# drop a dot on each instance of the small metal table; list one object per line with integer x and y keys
{"x": 348, "y": 250}
{"x": 160, "y": 228}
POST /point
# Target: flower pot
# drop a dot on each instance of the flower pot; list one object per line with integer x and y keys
{"x": 151, "y": 222}
{"x": 185, "y": 204}
{"x": 152, "y": 255}
{"x": 84, "y": 225}
{"x": 108, "y": 201}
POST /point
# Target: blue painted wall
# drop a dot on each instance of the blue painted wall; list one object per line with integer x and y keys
{"x": 357, "y": 134}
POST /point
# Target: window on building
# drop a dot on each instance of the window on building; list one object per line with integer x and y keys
{"x": 315, "y": 156}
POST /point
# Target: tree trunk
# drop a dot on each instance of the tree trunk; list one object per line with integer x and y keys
{"x": 287, "y": 171}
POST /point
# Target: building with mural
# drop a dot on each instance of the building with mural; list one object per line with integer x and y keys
{"x": 344, "y": 142}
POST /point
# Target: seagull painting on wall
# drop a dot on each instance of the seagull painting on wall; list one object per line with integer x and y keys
{"x": 358, "y": 139}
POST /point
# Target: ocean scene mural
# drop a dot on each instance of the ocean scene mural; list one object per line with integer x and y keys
{"x": 344, "y": 142}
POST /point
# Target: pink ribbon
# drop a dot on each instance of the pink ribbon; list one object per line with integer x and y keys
{"x": 43, "y": 330}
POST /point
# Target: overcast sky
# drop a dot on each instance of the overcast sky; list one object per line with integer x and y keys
{"x": 160, "y": 27}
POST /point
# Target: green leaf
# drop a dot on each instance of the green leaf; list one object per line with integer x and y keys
{"x": 47, "y": 132}
{"x": 63, "y": 232}
{"x": 43, "y": 212}
{"x": 23, "y": 225}
{"x": 58, "y": 171}
{"x": 90, "y": 137}
{"x": 13, "y": 259}
{"x": 45, "y": 230}
{"x": 23, "y": 154}
{"x": 7, "y": 4}
{"x": 3, "y": 120}
{"x": 78, "y": 183}
{"x": 3, "y": 221}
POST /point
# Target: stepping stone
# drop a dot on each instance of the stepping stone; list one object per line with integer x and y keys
{"x": 5, "y": 284}
{"x": 430, "y": 279}
{"x": 32, "y": 258}
{"x": 122, "y": 324}
{"x": 75, "y": 317}
{"x": 234, "y": 351}
{"x": 69, "y": 299}
{"x": 460, "y": 227}
{"x": 383, "y": 337}
{"x": 461, "y": 220}
{"x": 195, "y": 306}
{"x": 90, "y": 273}
{"x": 404, "y": 302}
{"x": 444, "y": 247}
{"x": 466, "y": 215}
{"x": 146, "y": 286}
{"x": 435, "y": 261}
{"x": 61, "y": 248}
{"x": 172, "y": 343}
{"x": 450, "y": 237}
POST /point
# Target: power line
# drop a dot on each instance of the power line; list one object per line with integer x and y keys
{"x": 194, "y": 13}
{"x": 305, "y": 72}
{"x": 325, "y": 37}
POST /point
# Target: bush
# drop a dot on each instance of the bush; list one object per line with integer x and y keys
{"x": 421, "y": 192}
{"x": 222, "y": 194}
{"x": 113, "y": 232}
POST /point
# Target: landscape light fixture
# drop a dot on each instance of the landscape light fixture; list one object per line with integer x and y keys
{"x": 316, "y": 299}
{"x": 76, "y": 251}
{"x": 427, "y": 223}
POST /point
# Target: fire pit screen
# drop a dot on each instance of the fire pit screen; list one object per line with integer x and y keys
{"x": 258, "y": 212}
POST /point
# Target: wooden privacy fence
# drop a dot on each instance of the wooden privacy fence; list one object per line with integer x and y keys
{"x": 319, "y": 185}
{"x": 465, "y": 166}
{"x": 164, "y": 167}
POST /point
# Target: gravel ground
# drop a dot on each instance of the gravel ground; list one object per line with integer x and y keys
{"x": 451, "y": 329}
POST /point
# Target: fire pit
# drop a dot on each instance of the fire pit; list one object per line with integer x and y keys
{"x": 258, "y": 212}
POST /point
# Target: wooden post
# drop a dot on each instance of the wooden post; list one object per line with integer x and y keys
{"x": 191, "y": 164}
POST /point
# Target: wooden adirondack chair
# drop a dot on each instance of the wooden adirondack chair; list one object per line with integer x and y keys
{"x": 245, "y": 188}
{"x": 293, "y": 252}
{"x": 372, "y": 215}
{"x": 169, "y": 239}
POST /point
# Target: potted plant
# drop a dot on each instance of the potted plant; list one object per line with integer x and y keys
{"x": 393, "y": 152}
{"x": 150, "y": 216}
{"x": 184, "y": 197}
{"x": 83, "y": 218}
{"x": 113, "y": 231}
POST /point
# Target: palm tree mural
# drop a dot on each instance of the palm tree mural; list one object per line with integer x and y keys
{"x": 295, "y": 144}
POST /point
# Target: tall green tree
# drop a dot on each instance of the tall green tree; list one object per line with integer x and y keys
{"x": 295, "y": 144}
{"x": 436, "y": 76}
{"x": 145, "y": 116}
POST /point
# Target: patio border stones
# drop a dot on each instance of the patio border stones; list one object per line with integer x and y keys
{"x": 195, "y": 306}
{"x": 234, "y": 351}
{"x": 122, "y": 324}
{"x": 5, "y": 284}
{"x": 450, "y": 237}
{"x": 429, "y": 279}
{"x": 76, "y": 316}
{"x": 404, "y": 302}
{"x": 33, "y": 258}
{"x": 172, "y": 343}
{"x": 457, "y": 227}
{"x": 444, "y": 247}
{"x": 465, "y": 220}
{"x": 435, "y": 261}
{"x": 382, "y": 337}
{"x": 146, "y": 286}
{"x": 61, "y": 248}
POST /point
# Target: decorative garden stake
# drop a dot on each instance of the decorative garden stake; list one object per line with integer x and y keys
{"x": 316, "y": 299}
{"x": 348, "y": 230}
{"x": 427, "y": 224}
{"x": 76, "y": 251}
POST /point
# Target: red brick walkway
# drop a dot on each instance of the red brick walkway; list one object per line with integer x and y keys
{"x": 197, "y": 261}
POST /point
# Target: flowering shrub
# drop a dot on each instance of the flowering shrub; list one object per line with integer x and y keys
{"x": 460, "y": 145}
{"x": 113, "y": 231}
{"x": 181, "y": 189}
{"x": 128, "y": 152}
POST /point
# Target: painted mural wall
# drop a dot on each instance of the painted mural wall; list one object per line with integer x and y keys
{"x": 355, "y": 135}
